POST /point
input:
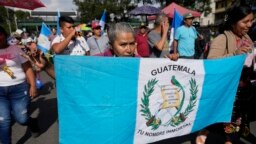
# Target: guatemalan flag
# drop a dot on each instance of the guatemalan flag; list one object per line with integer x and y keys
{"x": 103, "y": 20}
{"x": 135, "y": 100}
{"x": 176, "y": 22}
{"x": 43, "y": 40}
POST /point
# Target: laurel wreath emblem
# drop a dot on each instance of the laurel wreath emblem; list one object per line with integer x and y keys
{"x": 176, "y": 119}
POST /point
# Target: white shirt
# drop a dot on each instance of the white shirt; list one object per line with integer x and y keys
{"x": 76, "y": 47}
{"x": 11, "y": 57}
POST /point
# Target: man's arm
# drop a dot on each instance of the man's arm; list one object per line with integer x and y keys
{"x": 175, "y": 46}
{"x": 59, "y": 47}
{"x": 160, "y": 45}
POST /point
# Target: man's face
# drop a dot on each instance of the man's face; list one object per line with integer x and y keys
{"x": 66, "y": 29}
{"x": 97, "y": 31}
{"x": 143, "y": 30}
{"x": 188, "y": 21}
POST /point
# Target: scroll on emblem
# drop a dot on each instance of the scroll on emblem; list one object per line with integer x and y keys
{"x": 171, "y": 97}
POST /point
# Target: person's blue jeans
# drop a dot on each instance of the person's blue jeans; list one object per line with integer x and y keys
{"x": 14, "y": 103}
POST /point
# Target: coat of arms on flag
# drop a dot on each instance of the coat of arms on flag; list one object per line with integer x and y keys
{"x": 169, "y": 110}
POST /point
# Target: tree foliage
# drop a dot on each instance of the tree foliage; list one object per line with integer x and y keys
{"x": 92, "y": 9}
{"x": 8, "y": 15}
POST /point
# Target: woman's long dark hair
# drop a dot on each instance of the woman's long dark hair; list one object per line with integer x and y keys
{"x": 234, "y": 14}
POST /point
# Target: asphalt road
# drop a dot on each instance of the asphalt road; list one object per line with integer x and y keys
{"x": 44, "y": 107}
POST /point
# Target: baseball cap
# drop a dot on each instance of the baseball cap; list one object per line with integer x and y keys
{"x": 188, "y": 15}
{"x": 19, "y": 31}
{"x": 95, "y": 24}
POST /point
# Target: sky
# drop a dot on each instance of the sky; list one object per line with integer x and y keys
{"x": 53, "y": 5}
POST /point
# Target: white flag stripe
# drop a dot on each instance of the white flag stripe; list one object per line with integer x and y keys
{"x": 163, "y": 104}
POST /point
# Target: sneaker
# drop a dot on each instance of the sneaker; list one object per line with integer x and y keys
{"x": 34, "y": 128}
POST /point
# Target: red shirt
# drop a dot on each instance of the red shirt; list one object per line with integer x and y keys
{"x": 142, "y": 45}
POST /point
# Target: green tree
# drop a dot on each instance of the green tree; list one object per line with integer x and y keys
{"x": 20, "y": 15}
{"x": 92, "y": 9}
{"x": 6, "y": 19}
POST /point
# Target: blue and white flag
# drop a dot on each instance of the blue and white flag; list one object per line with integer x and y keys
{"x": 133, "y": 100}
{"x": 43, "y": 40}
{"x": 103, "y": 20}
{"x": 176, "y": 22}
{"x": 58, "y": 22}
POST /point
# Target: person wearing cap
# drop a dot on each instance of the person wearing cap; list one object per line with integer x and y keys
{"x": 184, "y": 38}
{"x": 98, "y": 43}
{"x": 17, "y": 85}
{"x": 68, "y": 42}
{"x": 157, "y": 37}
{"x": 142, "y": 41}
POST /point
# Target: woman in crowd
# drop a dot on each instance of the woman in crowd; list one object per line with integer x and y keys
{"x": 232, "y": 41}
{"x": 122, "y": 40}
{"x": 15, "y": 92}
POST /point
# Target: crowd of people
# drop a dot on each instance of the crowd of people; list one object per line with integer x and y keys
{"x": 21, "y": 60}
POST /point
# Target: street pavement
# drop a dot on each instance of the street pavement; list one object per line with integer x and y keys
{"x": 44, "y": 107}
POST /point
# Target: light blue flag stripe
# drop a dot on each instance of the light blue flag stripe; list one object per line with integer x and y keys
{"x": 217, "y": 86}
{"x": 101, "y": 109}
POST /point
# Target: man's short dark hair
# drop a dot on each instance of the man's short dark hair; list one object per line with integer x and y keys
{"x": 65, "y": 19}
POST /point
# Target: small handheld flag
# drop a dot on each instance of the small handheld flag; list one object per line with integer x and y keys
{"x": 43, "y": 40}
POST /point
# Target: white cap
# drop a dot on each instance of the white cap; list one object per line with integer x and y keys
{"x": 19, "y": 31}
